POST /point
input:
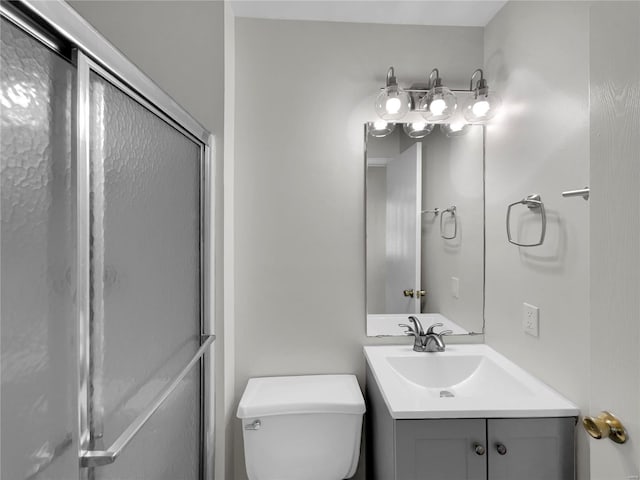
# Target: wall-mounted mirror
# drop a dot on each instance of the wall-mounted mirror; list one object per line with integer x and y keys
{"x": 425, "y": 230}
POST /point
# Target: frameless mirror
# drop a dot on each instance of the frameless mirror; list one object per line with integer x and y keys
{"x": 425, "y": 229}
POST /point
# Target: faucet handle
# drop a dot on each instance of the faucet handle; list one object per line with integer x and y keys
{"x": 430, "y": 329}
{"x": 409, "y": 331}
{"x": 445, "y": 332}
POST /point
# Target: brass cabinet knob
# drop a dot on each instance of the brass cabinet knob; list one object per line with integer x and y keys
{"x": 605, "y": 425}
{"x": 409, "y": 293}
{"x": 502, "y": 450}
{"x": 421, "y": 293}
{"x": 479, "y": 449}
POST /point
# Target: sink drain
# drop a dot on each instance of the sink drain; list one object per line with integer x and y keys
{"x": 446, "y": 394}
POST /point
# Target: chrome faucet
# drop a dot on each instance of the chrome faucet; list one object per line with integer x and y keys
{"x": 417, "y": 331}
{"x": 428, "y": 341}
{"x": 433, "y": 341}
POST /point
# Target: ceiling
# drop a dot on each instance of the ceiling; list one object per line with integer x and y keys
{"x": 467, "y": 13}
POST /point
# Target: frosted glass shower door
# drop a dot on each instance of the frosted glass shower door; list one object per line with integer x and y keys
{"x": 145, "y": 297}
{"x": 105, "y": 189}
{"x": 38, "y": 417}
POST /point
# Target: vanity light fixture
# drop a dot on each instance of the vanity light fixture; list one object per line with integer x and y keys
{"x": 393, "y": 102}
{"x": 484, "y": 104}
{"x": 436, "y": 103}
{"x": 380, "y": 128}
{"x": 439, "y": 103}
{"x": 417, "y": 129}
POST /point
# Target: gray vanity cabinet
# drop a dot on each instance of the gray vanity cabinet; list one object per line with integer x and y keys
{"x": 531, "y": 448}
{"x": 440, "y": 449}
{"x": 466, "y": 449}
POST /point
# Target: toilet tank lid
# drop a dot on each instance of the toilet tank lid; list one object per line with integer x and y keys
{"x": 301, "y": 394}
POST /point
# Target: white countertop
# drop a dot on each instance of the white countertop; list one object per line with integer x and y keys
{"x": 492, "y": 387}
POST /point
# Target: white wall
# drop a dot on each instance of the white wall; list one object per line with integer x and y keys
{"x": 537, "y": 57}
{"x": 180, "y": 45}
{"x": 303, "y": 92}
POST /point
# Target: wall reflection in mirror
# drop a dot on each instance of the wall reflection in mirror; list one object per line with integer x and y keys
{"x": 424, "y": 227}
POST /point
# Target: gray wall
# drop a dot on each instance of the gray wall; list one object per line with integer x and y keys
{"x": 303, "y": 92}
{"x": 537, "y": 57}
{"x": 179, "y": 44}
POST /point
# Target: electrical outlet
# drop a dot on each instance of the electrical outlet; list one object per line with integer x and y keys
{"x": 455, "y": 287}
{"x": 530, "y": 319}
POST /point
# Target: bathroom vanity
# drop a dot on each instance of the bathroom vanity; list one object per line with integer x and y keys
{"x": 464, "y": 414}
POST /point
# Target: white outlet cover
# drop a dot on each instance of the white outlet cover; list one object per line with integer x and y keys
{"x": 531, "y": 319}
{"x": 455, "y": 287}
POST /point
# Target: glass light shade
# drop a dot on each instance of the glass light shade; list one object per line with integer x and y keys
{"x": 381, "y": 128}
{"x": 455, "y": 129}
{"x": 392, "y": 103}
{"x": 417, "y": 129}
{"x": 482, "y": 108}
{"x": 438, "y": 105}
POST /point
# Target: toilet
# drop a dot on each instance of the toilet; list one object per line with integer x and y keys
{"x": 302, "y": 427}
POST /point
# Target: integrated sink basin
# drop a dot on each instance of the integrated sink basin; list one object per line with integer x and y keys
{"x": 463, "y": 375}
{"x": 465, "y": 381}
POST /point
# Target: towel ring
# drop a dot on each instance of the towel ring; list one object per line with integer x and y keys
{"x": 533, "y": 202}
{"x": 452, "y": 212}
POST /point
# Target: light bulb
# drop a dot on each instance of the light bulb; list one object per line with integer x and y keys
{"x": 455, "y": 129}
{"x": 417, "y": 129}
{"x": 393, "y": 105}
{"x": 480, "y": 108}
{"x": 437, "y": 106}
{"x": 381, "y": 128}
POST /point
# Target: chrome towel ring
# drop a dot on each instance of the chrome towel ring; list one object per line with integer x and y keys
{"x": 452, "y": 214}
{"x": 533, "y": 202}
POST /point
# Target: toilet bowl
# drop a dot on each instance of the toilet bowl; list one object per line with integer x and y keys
{"x": 302, "y": 427}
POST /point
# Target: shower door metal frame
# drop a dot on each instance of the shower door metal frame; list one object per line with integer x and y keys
{"x": 92, "y": 52}
{"x": 85, "y": 67}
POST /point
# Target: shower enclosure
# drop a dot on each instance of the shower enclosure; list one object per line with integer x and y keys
{"x": 105, "y": 333}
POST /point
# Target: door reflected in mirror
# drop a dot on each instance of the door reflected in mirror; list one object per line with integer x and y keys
{"x": 425, "y": 230}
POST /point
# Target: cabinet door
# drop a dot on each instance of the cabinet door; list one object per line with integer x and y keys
{"x": 441, "y": 449}
{"x": 531, "y": 448}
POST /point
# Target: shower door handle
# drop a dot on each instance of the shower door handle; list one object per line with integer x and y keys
{"x": 98, "y": 458}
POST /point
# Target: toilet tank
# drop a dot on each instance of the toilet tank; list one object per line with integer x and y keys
{"x": 302, "y": 427}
